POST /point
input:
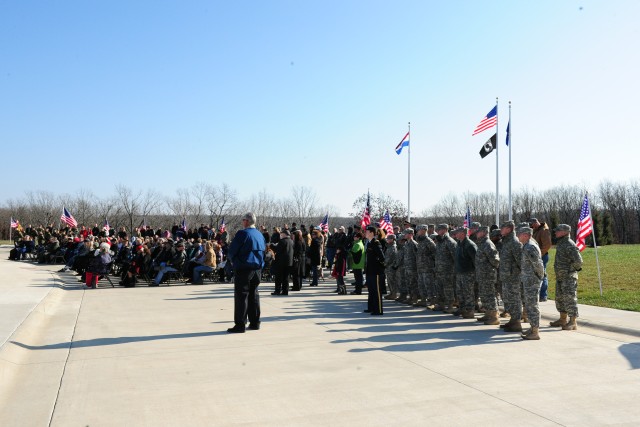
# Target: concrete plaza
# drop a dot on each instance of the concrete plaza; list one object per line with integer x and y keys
{"x": 162, "y": 357}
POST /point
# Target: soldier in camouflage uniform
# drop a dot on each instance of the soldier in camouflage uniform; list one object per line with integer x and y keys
{"x": 398, "y": 266}
{"x": 487, "y": 263}
{"x": 496, "y": 237}
{"x": 510, "y": 258}
{"x": 465, "y": 272}
{"x": 390, "y": 255}
{"x": 411, "y": 267}
{"x": 426, "y": 265}
{"x": 445, "y": 264}
{"x": 531, "y": 274}
{"x": 473, "y": 229}
{"x": 566, "y": 265}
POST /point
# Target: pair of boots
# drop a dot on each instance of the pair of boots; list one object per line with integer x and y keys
{"x": 570, "y": 325}
{"x": 490, "y": 318}
{"x": 513, "y": 325}
{"x": 392, "y": 295}
{"x": 531, "y": 334}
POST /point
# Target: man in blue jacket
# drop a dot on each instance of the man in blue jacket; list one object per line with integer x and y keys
{"x": 246, "y": 254}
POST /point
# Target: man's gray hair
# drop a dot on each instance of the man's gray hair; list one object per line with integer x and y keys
{"x": 251, "y": 217}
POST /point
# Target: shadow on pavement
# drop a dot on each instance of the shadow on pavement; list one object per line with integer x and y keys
{"x": 632, "y": 352}
{"x": 113, "y": 341}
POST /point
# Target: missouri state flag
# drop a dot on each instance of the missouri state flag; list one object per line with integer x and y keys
{"x": 402, "y": 144}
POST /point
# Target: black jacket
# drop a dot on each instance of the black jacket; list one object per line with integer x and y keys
{"x": 374, "y": 263}
{"x": 284, "y": 253}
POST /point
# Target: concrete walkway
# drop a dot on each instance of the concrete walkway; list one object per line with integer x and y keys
{"x": 162, "y": 357}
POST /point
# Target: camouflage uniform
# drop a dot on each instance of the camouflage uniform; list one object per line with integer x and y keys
{"x": 567, "y": 263}
{"x": 510, "y": 257}
{"x": 532, "y": 272}
{"x": 465, "y": 273}
{"x": 487, "y": 263}
{"x": 410, "y": 267}
{"x": 398, "y": 266}
{"x": 426, "y": 266}
{"x": 498, "y": 246}
{"x": 445, "y": 256}
{"x": 390, "y": 255}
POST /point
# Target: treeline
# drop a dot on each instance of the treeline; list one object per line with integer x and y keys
{"x": 615, "y": 208}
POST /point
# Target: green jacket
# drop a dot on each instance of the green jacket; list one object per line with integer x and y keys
{"x": 357, "y": 254}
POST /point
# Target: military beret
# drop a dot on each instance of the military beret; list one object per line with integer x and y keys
{"x": 409, "y": 231}
{"x": 509, "y": 223}
{"x": 495, "y": 233}
{"x": 422, "y": 227}
{"x": 460, "y": 230}
{"x": 563, "y": 227}
{"x": 484, "y": 229}
{"x": 442, "y": 227}
{"x": 525, "y": 230}
{"x": 391, "y": 237}
{"x": 475, "y": 225}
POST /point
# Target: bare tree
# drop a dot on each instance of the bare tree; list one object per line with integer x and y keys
{"x": 304, "y": 203}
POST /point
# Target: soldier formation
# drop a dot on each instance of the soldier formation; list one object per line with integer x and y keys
{"x": 468, "y": 271}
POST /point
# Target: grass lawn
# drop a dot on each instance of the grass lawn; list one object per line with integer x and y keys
{"x": 620, "y": 271}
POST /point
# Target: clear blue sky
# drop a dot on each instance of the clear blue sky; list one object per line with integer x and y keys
{"x": 271, "y": 94}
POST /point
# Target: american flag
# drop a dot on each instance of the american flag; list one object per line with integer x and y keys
{"x": 107, "y": 227}
{"x": 14, "y": 223}
{"x": 488, "y": 121}
{"x": 585, "y": 224}
{"x": 324, "y": 225}
{"x": 366, "y": 216}
{"x": 467, "y": 218}
{"x": 67, "y": 218}
{"x": 222, "y": 226}
{"x": 385, "y": 223}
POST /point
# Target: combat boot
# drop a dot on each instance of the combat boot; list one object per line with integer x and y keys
{"x": 509, "y": 323}
{"x": 401, "y": 297}
{"x": 451, "y": 309}
{"x": 562, "y": 321}
{"x": 392, "y": 295}
{"x": 516, "y": 326}
{"x": 571, "y": 325}
{"x": 408, "y": 300}
{"x": 505, "y": 314}
{"x": 468, "y": 314}
{"x": 484, "y": 317}
{"x": 532, "y": 334}
{"x": 492, "y": 318}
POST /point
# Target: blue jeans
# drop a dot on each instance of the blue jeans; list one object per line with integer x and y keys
{"x": 545, "y": 281}
{"x": 197, "y": 272}
{"x": 163, "y": 269}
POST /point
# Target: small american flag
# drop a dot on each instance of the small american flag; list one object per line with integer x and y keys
{"x": 366, "y": 216}
{"x": 385, "y": 223}
{"x": 488, "y": 121}
{"x": 222, "y": 226}
{"x": 585, "y": 224}
{"x": 324, "y": 225}
{"x": 467, "y": 218}
{"x": 107, "y": 227}
{"x": 14, "y": 223}
{"x": 67, "y": 218}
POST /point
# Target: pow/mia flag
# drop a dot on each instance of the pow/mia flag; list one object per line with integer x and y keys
{"x": 488, "y": 146}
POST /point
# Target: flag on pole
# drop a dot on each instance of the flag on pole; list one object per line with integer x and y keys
{"x": 324, "y": 225}
{"x": 488, "y": 121}
{"x": 585, "y": 224}
{"x": 107, "y": 227}
{"x": 385, "y": 223}
{"x": 467, "y": 218}
{"x": 509, "y": 132}
{"x": 366, "y": 216}
{"x": 14, "y": 223}
{"x": 402, "y": 144}
{"x": 223, "y": 227}
{"x": 67, "y": 218}
{"x": 488, "y": 146}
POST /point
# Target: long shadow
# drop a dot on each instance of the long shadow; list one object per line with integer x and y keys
{"x": 632, "y": 352}
{"x": 215, "y": 294}
{"x": 96, "y": 342}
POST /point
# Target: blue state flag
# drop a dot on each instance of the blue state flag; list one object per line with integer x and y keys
{"x": 509, "y": 133}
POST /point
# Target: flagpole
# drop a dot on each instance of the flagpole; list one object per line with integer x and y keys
{"x": 10, "y": 230}
{"x": 510, "y": 143}
{"x": 409, "y": 178}
{"x": 497, "y": 172}
{"x": 595, "y": 246}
